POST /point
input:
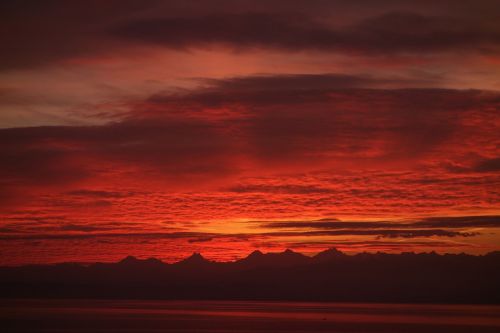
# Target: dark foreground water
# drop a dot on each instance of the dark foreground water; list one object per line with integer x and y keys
{"x": 230, "y": 316}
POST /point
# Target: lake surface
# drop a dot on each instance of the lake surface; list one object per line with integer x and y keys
{"x": 244, "y": 316}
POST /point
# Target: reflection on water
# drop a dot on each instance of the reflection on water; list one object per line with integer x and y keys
{"x": 244, "y": 316}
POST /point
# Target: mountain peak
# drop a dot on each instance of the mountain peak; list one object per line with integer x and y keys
{"x": 153, "y": 260}
{"x": 493, "y": 253}
{"x": 292, "y": 254}
{"x": 256, "y": 253}
{"x": 195, "y": 258}
{"x": 328, "y": 254}
{"x": 129, "y": 259}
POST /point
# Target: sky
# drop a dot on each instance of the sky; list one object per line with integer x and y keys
{"x": 161, "y": 128}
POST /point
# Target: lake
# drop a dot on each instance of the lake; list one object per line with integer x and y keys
{"x": 242, "y": 316}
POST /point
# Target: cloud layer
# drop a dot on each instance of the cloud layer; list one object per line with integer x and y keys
{"x": 165, "y": 127}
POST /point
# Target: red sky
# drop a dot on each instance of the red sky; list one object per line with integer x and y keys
{"x": 160, "y": 128}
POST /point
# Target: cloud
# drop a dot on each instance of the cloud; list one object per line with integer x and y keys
{"x": 347, "y": 245}
{"x": 96, "y": 231}
{"x": 7, "y": 230}
{"x": 271, "y": 90}
{"x": 427, "y": 227}
{"x": 184, "y": 111}
{"x": 41, "y": 34}
{"x": 488, "y": 165}
{"x": 283, "y": 189}
{"x": 487, "y": 221}
{"x": 387, "y": 33}
{"x": 380, "y": 233}
{"x": 286, "y": 115}
{"x": 90, "y": 235}
{"x": 58, "y": 154}
{"x": 282, "y": 89}
{"x": 54, "y": 227}
{"x": 268, "y": 122}
{"x": 44, "y": 33}
{"x": 319, "y": 224}
{"x": 201, "y": 240}
{"x": 424, "y": 233}
{"x": 451, "y": 222}
{"x": 99, "y": 194}
{"x": 84, "y": 228}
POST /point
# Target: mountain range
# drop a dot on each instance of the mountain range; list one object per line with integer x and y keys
{"x": 328, "y": 276}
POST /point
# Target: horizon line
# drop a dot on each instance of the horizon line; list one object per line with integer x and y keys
{"x": 199, "y": 255}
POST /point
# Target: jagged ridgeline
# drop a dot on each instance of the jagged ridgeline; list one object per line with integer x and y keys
{"x": 328, "y": 276}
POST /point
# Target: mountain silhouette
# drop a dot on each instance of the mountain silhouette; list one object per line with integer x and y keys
{"x": 328, "y": 276}
{"x": 281, "y": 259}
{"x": 133, "y": 261}
{"x": 196, "y": 259}
{"x": 329, "y": 254}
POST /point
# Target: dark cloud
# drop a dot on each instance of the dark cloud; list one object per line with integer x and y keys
{"x": 58, "y": 154}
{"x": 7, "y": 230}
{"x": 36, "y": 164}
{"x": 292, "y": 89}
{"x": 100, "y": 194}
{"x": 424, "y": 233}
{"x": 288, "y": 89}
{"x": 356, "y": 123}
{"x": 294, "y": 82}
{"x": 45, "y": 33}
{"x": 37, "y": 33}
{"x": 84, "y": 228}
{"x": 37, "y": 227}
{"x": 86, "y": 232}
{"x": 396, "y": 233}
{"x": 455, "y": 222}
{"x": 131, "y": 235}
{"x": 393, "y": 232}
{"x": 488, "y": 165}
{"x": 283, "y": 115}
{"x": 392, "y": 32}
{"x": 328, "y": 224}
{"x": 486, "y": 221}
{"x": 268, "y": 90}
{"x": 375, "y": 244}
{"x": 281, "y": 189}
{"x": 412, "y": 32}
{"x": 272, "y": 120}
{"x": 201, "y": 240}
